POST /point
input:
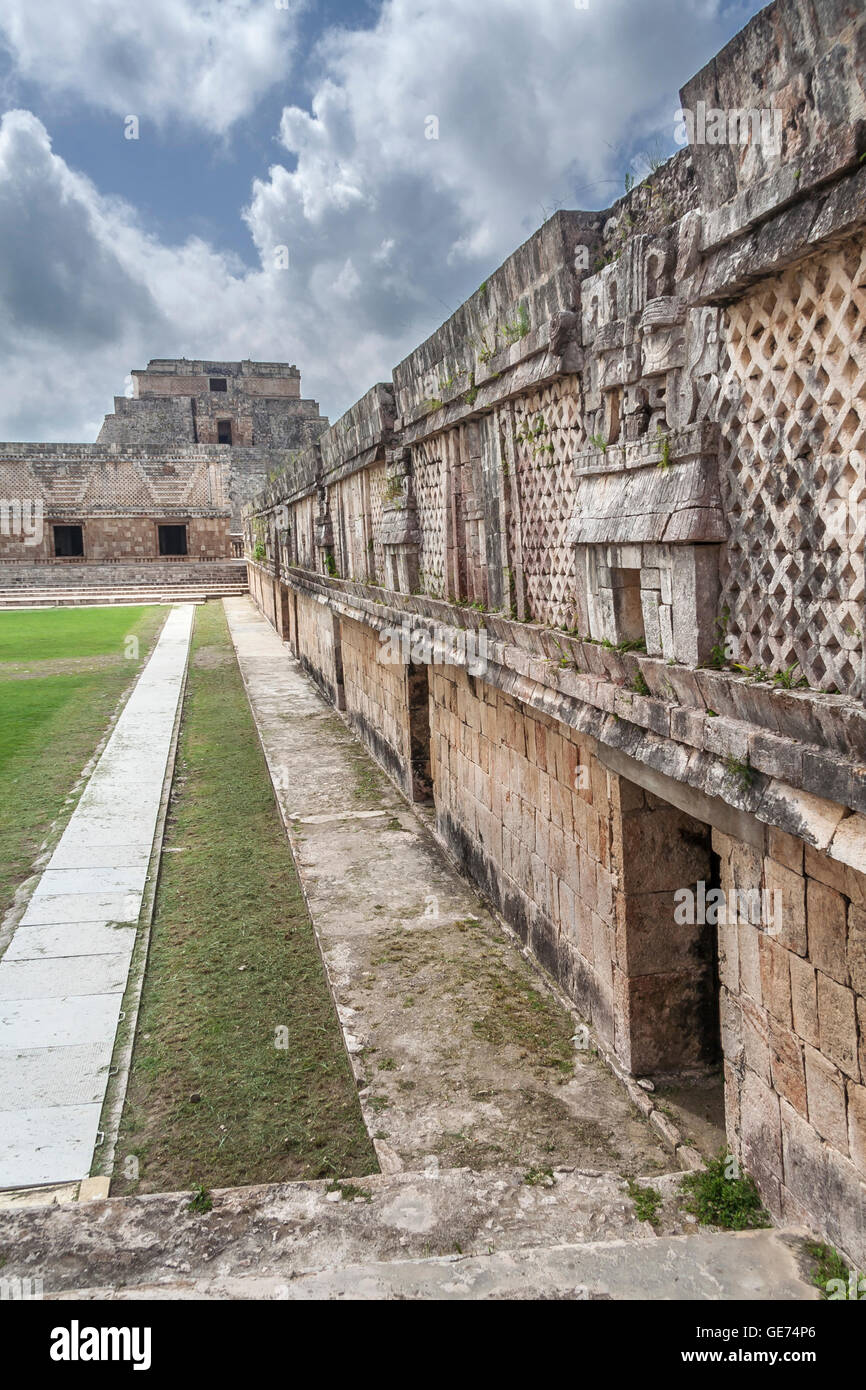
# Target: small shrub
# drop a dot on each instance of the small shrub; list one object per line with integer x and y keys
{"x": 742, "y": 772}
{"x": 721, "y": 1196}
{"x": 201, "y": 1201}
{"x": 539, "y": 1177}
{"x": 830, "y": 1273}
{"x": 647, "y": 1200}
{"x": 664, "y": 462}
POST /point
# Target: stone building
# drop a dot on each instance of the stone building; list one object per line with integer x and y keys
{"x": 255, "y": 408}
{"x": 164, "y": 482}
{"x": 588, "y": 575}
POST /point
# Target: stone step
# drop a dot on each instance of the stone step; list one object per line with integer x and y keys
{"x": 751, "y": 1266}
{"x": 450, "y": 1234}
{"x": 47, "y": 598}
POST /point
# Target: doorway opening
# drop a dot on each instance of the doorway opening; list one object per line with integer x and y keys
{"x": 172, "y": 540}
{"x": 68, "y": 541}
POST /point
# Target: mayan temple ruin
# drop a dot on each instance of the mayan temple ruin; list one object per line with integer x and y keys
{"x": 554, "y": 647}
{"x": 627, "y": 478}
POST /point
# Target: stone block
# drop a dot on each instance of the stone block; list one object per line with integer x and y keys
{"x": 825, "y": 1091}
{"x": 785, "y": 849}
{"x": 791, "y": 888}
{"x": 787, "y": 1067}
{"x": 804, "y": 1000}
{"x": 857, "y": 1126}
{"x": 827, "y": 917}
{"x": 857, "y": 949}
{"x": 756, "y": 1041}
{"x": 826, "y": 1185}
{"x": 837, "y": 1025}
{"x": 760, "y": 1128}
{"x": 775, "y": 979}
{"x": 731, "y": 1024}
{"x": 749, "y": 939}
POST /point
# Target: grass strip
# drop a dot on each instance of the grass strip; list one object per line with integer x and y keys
{"x": 239, "y": 1074}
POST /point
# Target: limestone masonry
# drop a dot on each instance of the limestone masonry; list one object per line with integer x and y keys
{"x": 588, "y": 576}
{"x": 166, "y": 479}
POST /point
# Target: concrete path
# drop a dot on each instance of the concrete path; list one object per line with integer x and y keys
{"x": 63, "y": 975}
{"x": 461, "y": 1054}
{"x": 452, "y": 1235}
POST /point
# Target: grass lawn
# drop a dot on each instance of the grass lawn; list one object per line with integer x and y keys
{"x": 211, "y": 1099}
{"x": 62, "y": 676}
{"x": 42, "y": 634}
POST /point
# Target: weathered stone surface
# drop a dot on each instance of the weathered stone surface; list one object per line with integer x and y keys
{"x": 825, "y": 1088}
{"x": 568, "y": 444}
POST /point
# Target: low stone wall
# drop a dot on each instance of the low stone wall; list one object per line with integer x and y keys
{"x": 76, "y": 574}
{"x": 377, "y": 700}
{"x": 793, "y": 1006}
{"x": 318, "y": 646}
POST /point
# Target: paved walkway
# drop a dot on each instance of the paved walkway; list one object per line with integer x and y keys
{"x": 63, "y": 975}
{"x": 461, "y": 1055}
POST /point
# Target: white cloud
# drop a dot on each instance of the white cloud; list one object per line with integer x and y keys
{"x": 387, "y": 231}
{"x": 204, "y": 62}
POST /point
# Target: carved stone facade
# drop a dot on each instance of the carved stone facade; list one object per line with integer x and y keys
{"x": 626, "y": 478}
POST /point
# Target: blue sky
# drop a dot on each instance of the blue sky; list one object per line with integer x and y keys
{"x": 267, "y": 124}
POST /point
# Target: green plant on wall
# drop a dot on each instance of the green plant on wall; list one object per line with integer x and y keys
{"x": 664, "y": 442}
{"x": 533, "y": 434}
{"x": 330, "y": 564}
{"x": 719, "y": 652}
{"x": 514, "y": 331}
{"x": 486, "y": 349}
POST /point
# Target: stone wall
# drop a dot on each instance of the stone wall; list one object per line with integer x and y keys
{"x": 626, "y": 481}
{"x": 793, "y": 1007}
{"x": 318, "y": 646}
{"x": 120, "y": 538}
{"x": 377, "y": 699}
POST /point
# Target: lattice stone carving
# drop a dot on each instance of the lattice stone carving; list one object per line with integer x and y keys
{"x": 429, "y": 478}
{"x": 304, "y": 547}
{"x": 377, "y": 482}
{"x": 349, "y": 514}
{"x": 546, "y": 486}
{"x": 792, "y": 407}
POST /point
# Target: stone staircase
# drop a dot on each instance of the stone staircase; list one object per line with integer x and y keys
{"x": 440, "y": 1235}
{"x": 51, "y": 586}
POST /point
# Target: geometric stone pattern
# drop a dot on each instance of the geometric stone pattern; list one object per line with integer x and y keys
{"x": 376, "y": 482}
{"x": 548, "y": 427}
{"x": 429, "y": 478}
{"x": 793, "y": 469}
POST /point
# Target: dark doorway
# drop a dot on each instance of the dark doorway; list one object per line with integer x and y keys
{"x": 224, "y": 431}
{"x": 218, "y": 383}
{"x": 68, "y": 540}
{"x": 172, "y": 540}
{"x": 418, "y": 692}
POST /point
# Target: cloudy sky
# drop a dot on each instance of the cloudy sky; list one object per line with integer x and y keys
{"x": 283, "y": 198}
